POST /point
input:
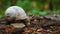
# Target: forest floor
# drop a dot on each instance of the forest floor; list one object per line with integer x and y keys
{"x": 49, "y": 24}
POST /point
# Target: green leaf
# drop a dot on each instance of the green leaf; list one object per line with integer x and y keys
{"x": 43, "y": 13}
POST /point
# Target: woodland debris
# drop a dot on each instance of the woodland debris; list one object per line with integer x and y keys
{"x": 39, "y": 25}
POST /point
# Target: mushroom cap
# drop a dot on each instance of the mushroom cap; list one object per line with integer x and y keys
{"x": 15, "y": 11}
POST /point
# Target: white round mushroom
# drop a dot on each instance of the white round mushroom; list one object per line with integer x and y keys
{"x": 16, "y": 11}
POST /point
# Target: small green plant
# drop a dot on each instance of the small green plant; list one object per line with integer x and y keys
{"x": 37, "y": 12}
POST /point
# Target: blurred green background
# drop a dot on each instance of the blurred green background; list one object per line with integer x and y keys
{"x": 36, "y": 7}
